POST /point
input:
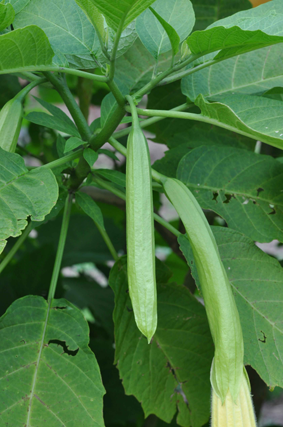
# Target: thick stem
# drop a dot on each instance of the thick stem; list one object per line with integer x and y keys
{"x": 98, "y": 140}
{"x": 117, "y": 93}
{"x": 84, "y": 92}
{"x": 16, "y": 247}
{"x": 61, "y": 246}
{"x": 24, "y": 92}
{"x": 62, "y": 88}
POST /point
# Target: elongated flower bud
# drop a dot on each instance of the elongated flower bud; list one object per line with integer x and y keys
{"x": 11, "y": 117}
{"x": 234, "y": 414}
{"x": 140, "y": 232}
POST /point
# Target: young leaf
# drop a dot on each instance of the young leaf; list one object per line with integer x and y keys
{"x": 90, "y": 208}
{"x": 160, "y": 368}
{"x": 160, "y": 28}
{"x": 118, "y": 12}
{"x": 242, "y": 187}
{"x": 23, "y": 194}
{"x": 250, "y": 115}
{"x": 73, "y": 143}
{"x": 50, "y": 373}
{"x": 230, "y": 42}
{"x": 90, "y": 156}
{"x": 7, "y": 15}
{"x": 256, "y": 279}
{"x": 57, "y": 119}
{"x": 25, "y": 50}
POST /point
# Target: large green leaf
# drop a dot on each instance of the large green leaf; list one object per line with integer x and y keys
{"x": 24, "y": 49}
{"x": 7, "y": 15}
{"x": 209, "y": 11}
{"x": 153, "y": 35}
{"x": 18, "y": 5}
{"x": 230, "y": 42}
{"x": 69, "y": 31}
{"x": 242, "y": 187}
{"x": 48, "y": 372}
{"x": 173, "y": 370}
{"x": 119, "y": 12}
{"x": 23, "y": 194}
{"x": 257, "y": 284}
{"x": 93, "y": 15}
{"x": 266, "y": 71}
{"x": 256, "y": 116}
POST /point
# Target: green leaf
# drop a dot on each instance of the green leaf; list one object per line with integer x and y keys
{"x": 24, "y": 49}
{"x": 57, "y": 119}
{"x": 90, "y": 156}
{"x": 267, "y": 64}
{"x": 108, "y": 153}
{"x": 9, "y": 87}
{"x": 257, "y": 284}
{"x": 116, "y": 177}
{"x": 7, "y": 15}
{"x": 23, "y": 194}
{"x": 209, "y": 11}
{"x": 90, "y": 208}
{"x": 50, "y": 373}
{"x": 230, "y": 42}
{"x": 175, "y": 366}
{"x": 242, "y": 187}
{"x": 93, "y": 15}
{"x": 160, "y": 28}
{"x": 252, "y": 115}
{"x": 69, "y": 31}
{"x": 118, "y": 12}
{"x": 73, "y": 143}
{"x": 18, "y": 5}
{"x": 108, "y": 106}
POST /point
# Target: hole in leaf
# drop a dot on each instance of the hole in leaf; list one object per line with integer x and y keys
{"x": 65, "y": 347}
{"x": 228, "y": 198}
{"x": 59, "y": 308}
{"x": 215, "y": 195}
{"x": 273, "y": 212}
{"x": 259, "y": 190}
{"x": 264, "y": 338}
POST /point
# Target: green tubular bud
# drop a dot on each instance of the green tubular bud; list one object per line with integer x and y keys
{"x": 10, "y": 124}
{"x": 140, "y": 233}
{"x": 234, "y": 414}
{"x": 222, "y": 313}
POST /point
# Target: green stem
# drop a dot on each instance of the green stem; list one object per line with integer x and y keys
{"x": 197, "y": 118}
{"x": 61, "y": 246}
{"x": 150, "y": 121}
{"x": 84, "y": 93}
{"x": 63, "y": 160}
{"x": 114, "y": 120}
{"x": 62, "y": 88}
{"x": 119, "y": 193}
{"x": 114, "y": 50}
{"x": 28, "y": 76}
{"x": 44, "y": 68}
{"x": 25, "y": 91}
{"x": 133, "y": 111}
{"x": 117, "y": 93}
{"x": 108, "y": 242}
{"x": 185, "y": 73}
{"x": 15, "y": 248}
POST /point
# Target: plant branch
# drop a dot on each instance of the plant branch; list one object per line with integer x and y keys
{"x": 62, "y": 88}
{"x": 147, "y": 122}
{"x": 61, "y": 246}
{"x": 114, "y": 50}
{"x": 16, "y": 247}
{"x": 97, "y": 140}
{"x": 117, "y": 93}
{"x": 108, "y": 242}
{"x": 63, "y": 160}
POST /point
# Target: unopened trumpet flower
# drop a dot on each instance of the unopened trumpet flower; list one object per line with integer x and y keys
{"x": 231, "y": 399}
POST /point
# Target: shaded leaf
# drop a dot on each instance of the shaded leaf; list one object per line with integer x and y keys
{"x": 57, "y": 119}
{"x": 23, "y": 194}
{"x": 90, "y": 156}
{"x": 175, "y": 365}
{"x": 90, "y": 208}
{"x": 50, "y": 373}
{"x": 256, "y": 280}
{"x": 25, "y": 49}
{"x": 7, "y": 15}
{"x": 116, "y": 177}
{"x": 72, "y": 144}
